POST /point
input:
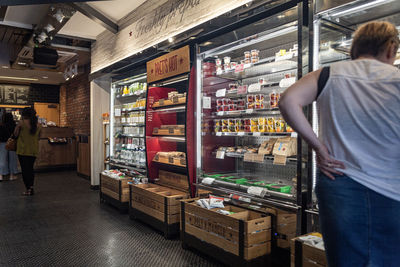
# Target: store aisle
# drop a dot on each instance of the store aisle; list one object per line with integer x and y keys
{"x": 64, "y": 225}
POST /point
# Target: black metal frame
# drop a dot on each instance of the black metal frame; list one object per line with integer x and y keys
{"x": 219, "y": 254}
{"x": 169, "y": 230}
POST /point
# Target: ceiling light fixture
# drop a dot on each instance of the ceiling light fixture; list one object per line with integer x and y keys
{"x": 49, "y": 28}
{"x": 18, "y": 78}
{"x": 59, "y": 16}
{"x": 171, "y": 39}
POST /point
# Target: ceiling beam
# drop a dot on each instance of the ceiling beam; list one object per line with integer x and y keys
{"x": 36, "y": 2}
{"x": 3, "y": 11}
{"x": 96, "y": 16}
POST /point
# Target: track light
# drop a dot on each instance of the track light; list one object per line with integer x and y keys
{"x": 49, "y": 28}
{"x": 59, "y": 16}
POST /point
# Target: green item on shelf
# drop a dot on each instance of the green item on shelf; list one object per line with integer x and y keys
{"x": 279, "y": 188}
{"x": 231, "y": 212}
{"x": 236, "y": 180}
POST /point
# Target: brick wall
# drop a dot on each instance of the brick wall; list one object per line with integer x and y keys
{"x": 75, "y": 104}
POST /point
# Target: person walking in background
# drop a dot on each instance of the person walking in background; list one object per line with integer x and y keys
{"x": 358, "y": 153}
{"x": 8, "y": 159}
{"x": 27, "y": 133}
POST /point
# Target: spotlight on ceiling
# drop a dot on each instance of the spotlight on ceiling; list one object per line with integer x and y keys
{"x": 49, "y": 28}
{"x": 59, "y": 16}
{"x": 42, "y": 37}
{"x": 171, "y": 39}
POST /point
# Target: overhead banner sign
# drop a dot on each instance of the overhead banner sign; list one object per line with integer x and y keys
{"x": 169, "y": 65}
{"x": 155, "y": 25}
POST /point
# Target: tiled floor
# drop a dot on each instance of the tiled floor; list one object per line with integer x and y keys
{"x": 65, "y": 225}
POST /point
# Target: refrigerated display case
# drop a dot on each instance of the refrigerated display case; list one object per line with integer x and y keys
{"x": 246, "y": 151}
{"x": 333, "y": 29}
{"x": 127, "y": 124}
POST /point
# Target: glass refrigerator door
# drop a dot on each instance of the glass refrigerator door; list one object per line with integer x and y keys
{"x": 333, "y": 30}
{"x": 245, "y": 144}
{"x": 127, "y": 123}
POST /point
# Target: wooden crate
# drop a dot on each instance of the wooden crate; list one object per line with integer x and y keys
{"x": 176, "y": 161}
{"x": 169, "y": 131}
{"x": 303, "y": 255}
{"x": 115, "y": 191}
{"x": 158, "y": 206}
{"x": 284, "y": 226}
{"x": 244, "y": 236}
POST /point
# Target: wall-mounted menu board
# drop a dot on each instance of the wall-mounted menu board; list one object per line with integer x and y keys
{"x": 28, "y": 95}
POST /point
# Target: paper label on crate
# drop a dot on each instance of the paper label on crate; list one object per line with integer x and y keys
{"x": 255, "y": 87}
{"x": 256, "y": 134}
{"x": 286, "y": 82}
{"x": 258, "y": 158}
{"x": 279, "y": 160}
{"x": 220, "y": 154}
{"x": 239, "y": 68}
{"x": 242, "y": 90}
{"x": 218, "y": 133}
{"x": 208, "y": 181}
{"x": 249, "y": 111}
{"x": 206, "y": 102}
{"x": 220, "y": 93}
{"x": 256, "y": 191}
{"x": 294, "y": 134}
{"x": 117, "y": 112}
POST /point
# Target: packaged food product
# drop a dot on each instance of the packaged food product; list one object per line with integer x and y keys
{"x": 227, "y": 66}
{"x": 218, "y": 62}
{"x": 254, "y": 128}
{"x": 251, "y": 105}
{"x": 262, "y": 80}
{"x": 225, "y": 129}
{"x": 247, "y": 121}
{"x": 259, "y": 105}
{"x": 225, "y": 108}
{"x": 255, "y": 53}
{"x": 259, "y": 98}
{"x": 270, "y": 128}
{"x": 219, "y": 102}
{"x": 224, "y": 122}
{"x": 255, "y": 59}
{"x": 233, "y": 86}
{"x": 226, "y": 101}
{"x": 217, "y": 129}
{"x": 220, "y": 108}
{"x": 273, "y": 99}
{"x": 262, "y": 121}
{"x": 241, "y": 102}
{"x": 247, "y": 61}
{"x": 233, "y": 65}
{"x": 239, "y": 128}
{"x": 241, "y": 108}
{"x": 204, "y": 203}
{"x": 224, "y": 212}
{"x": 219, "y": 69}
{"x": 231, "y": 122}
{"x": 247, "y": 55}
{"x": 288, "y": 128}
{"x": 232, "y": 129}
{"x": 217, "y": 122}
{"x": 278, "y": 126}
{"x": 227, "y": 60}
{"x": 232, "y": 107}
{"x": 250, "y": 98}
{"x": 254, "y": 121}
{"x": 239, "y": 122}
{"x": 216, "y": 202}
{"x": 262, "y": 128}
{"x": 247, "y": 128}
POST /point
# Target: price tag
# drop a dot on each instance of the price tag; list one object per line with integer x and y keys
{"x": 175, "y": 100}
{"x": 218, "y": 133}
{"x": 256, "y": 191}
{"x": 208, "y": 181}
{"x": 161, "y": 102}
{"x": 249, "y": 111}
{"x": 240, "y": 133}
{"x": 256, "y": 134}
{"x": 206, "y": 102}
{"x": 220, "y": 92}
{"x": 286, "y": 82}
{"x": 255, "y": 87}
{"x": 294, "y": 134}
{"x": 220, "y": 154}
{"x": 242, "y": 90}
{"x": 220, "y": 113}
{"x": 117, "y": 112}
{"x": 239, "y": 68}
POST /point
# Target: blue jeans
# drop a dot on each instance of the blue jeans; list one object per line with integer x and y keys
{"x": 360, "y": 227}
{"x": 8, "y": 161}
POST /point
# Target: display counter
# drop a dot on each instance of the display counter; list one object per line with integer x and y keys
{"x": 57, "y": 148}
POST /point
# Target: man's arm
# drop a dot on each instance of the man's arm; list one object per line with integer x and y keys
{"x": 291, "y": 104}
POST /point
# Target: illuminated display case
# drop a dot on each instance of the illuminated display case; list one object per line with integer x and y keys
{"x": 333, "y": 29}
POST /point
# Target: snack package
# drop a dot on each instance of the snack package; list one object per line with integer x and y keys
{"x": 224, "y": 212}
{"x": 267, "y": 147}
{"x": 204, "y": 203}
{"x": 216, "y": 202}
{"x": 285, "y": 147}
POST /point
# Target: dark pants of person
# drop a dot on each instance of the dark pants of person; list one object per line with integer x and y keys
{"x": 28, "y": 175}
{"x": 360, "y": 227}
